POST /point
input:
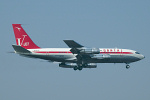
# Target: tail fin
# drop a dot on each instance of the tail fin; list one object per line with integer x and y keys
{"x": 22, "y": 38}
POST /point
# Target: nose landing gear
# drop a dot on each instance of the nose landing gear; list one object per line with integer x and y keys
{"x": 127, "y": 66}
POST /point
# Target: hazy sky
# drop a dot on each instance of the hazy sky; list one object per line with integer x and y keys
{"x": 93, "y": 23}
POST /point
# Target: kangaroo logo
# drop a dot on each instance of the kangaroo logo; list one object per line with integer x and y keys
{"x": 18, "y": 28}
{"x": 22, "y": 42}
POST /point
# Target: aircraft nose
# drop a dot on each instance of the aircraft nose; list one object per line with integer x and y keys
{"x": 142, "y": 56}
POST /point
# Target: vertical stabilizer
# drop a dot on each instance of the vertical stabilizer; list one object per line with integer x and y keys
{"x": 22, "y": 38}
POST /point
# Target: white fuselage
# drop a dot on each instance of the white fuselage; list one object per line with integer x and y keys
{"x": 106, "y": 55}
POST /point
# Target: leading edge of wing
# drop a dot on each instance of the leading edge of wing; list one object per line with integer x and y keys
{"x": 73, "y": 44}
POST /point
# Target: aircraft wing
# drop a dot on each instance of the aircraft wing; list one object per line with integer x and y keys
{"x": 73, "y": 44}
{"x": 83, "y": 52}
{"x": 75, "y": 47}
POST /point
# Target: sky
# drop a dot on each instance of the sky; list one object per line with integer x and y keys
{"x": 92, "y": 23}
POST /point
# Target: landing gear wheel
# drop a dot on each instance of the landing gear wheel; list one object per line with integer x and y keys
{"x": 75, "y": 68}
{"x": 127, "y": 66}
{"x": 79, "y": 68}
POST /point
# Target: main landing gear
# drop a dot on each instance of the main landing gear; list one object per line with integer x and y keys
{"x": 75, "y": 68}
{"x": 127, "y": 66}
{"x": 78, "y": 68}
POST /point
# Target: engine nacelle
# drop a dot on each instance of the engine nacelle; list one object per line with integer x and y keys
{"x": 68, "y": 65}
{"x": 72, "y": 65}
{"x": 90, "y": 51}
{"x": 100, "y": 56}
{"x": 91, "y": 65}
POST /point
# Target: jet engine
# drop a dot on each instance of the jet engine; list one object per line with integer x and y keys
{"x": 91, "y": 65}
{"x": 90, "y": 51}
{"x": 100, "y": 56}
{"x": 73, "y": 65}
{"x": 68, "y": 65}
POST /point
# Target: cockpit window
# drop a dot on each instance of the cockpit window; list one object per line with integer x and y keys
{"x": 137, "y": 52}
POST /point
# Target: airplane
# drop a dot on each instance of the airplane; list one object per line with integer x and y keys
{"x": 76, "y": 56}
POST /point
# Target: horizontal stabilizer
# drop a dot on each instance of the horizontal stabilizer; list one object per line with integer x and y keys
{"x": 20, "y": 49}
